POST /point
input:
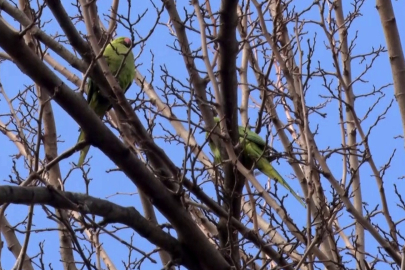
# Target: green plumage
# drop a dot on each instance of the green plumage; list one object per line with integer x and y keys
{"x": 254, "y": 150}
{"x": 114, "y": 54}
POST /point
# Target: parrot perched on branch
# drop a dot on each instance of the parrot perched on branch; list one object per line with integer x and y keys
{"x": 115, "y": 53}
{"x": 255, "y": 150}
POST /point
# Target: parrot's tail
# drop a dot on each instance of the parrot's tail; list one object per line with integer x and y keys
{"x": 270, "y": 172}
{"x": 83, "y": 152}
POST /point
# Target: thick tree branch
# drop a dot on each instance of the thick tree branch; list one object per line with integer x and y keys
{"x": 395, "y": 52}
{"x": 111, "y": 213}
{"x": 228, "y": 49}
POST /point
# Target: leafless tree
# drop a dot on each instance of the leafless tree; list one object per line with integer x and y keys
{"x": 311, "y": 77}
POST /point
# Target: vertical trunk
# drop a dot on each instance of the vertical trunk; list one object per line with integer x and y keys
{"x": 351, "y": 132}
{"x": 228, "y": 50}
{"x": 395, "y": 53}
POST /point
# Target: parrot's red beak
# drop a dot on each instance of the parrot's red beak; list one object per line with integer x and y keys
{"x": 128, "y": 42}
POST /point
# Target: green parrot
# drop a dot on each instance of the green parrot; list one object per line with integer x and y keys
{"x": 114, "y": 54}
{"x": 254, "y": 148}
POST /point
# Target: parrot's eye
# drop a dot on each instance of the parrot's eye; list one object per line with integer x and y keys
{"x": 127, "y": 42}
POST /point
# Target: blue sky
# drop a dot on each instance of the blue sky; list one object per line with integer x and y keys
{"x": 369, "y": 34}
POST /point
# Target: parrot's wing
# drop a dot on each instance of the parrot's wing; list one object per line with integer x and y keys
{"x": 214, "y": 150}
{"x": 127, "y": 75}
{"x": 92, "y": 88}
{"x": 262, "y": 164}
{"x": 251, "y": 136}
{"x": 245, "y": 133}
